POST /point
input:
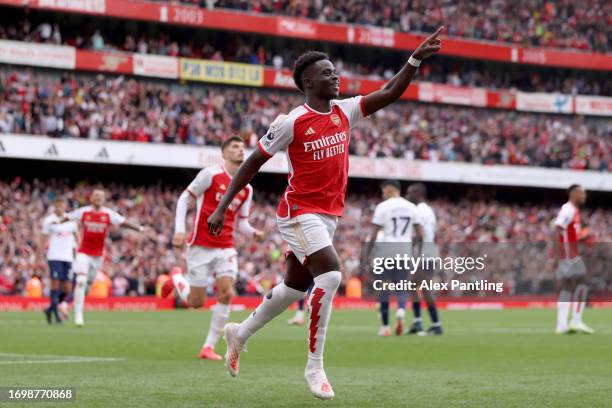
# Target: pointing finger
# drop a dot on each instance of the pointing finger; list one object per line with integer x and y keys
{"x": 436, "y": 34}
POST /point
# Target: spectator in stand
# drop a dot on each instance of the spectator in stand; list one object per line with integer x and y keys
{"x": 240, "y": 48}
{"x": 583, "y": 25}
{"x": 133, "y": 264}
{"x": 118, "y": 108}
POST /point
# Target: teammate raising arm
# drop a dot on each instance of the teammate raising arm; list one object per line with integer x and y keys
{"x": 95, "y": 220}
{"x": 316, "y": 136}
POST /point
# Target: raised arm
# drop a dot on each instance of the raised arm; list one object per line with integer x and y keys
{"x": 245, "y": 174}
{"x": 398, "y": 84}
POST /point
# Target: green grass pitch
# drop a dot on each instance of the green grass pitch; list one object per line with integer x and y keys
{"x": 504, "y": 358}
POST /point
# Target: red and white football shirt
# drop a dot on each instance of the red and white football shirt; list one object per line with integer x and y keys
{"x": 208, "y": 187}
{"x": 318, "y": 154}
{"x": 569, "y": 220}
{"x": 95, "y": 227}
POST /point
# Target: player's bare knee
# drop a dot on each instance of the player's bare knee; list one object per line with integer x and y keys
{"x": 323, "y": 261}
{"x": 225, "y": 295}
{"x": 297, "y": 276}
{"x": 197, "y": 302}
{"x": 196, "y": 299}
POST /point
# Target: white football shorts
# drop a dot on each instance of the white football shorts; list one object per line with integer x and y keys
{"x": 201, "y": 262}
{"x": 87, "y": 265}
{"x": 308, "y": 233}
{"x": 571, "y": 268}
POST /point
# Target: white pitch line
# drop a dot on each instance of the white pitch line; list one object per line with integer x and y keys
{"x": 55, "y": 359}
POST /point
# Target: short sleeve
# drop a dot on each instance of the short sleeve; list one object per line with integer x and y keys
{"x": 377, "y": 218}
{"x": 201, "y": 183}
{"x": 77, "y": 214}
{"x": 278, "y": 137}
{"x": 245, "y": 209}
{"x": 115, "y": 217}
{"x": 565, "y": 216}
{"x": 46, "y": 226}
{"x": 418, "y": 215}
{"x": 353, "y": 109}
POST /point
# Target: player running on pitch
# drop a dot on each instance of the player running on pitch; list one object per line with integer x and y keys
{"x": 394, "y": 222}
{"x": 96, "y": 221}
{"x": 570, "y": 268}
{"x": 60, "y": 242}
{"x": 417, "y": 193}
{"x": 316, "y": 136}
{"x": 208, "y": 254}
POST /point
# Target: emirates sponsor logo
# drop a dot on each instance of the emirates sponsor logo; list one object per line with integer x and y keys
{"x": 325, "y": 141}
{"x": 326, "y": 146}
{"x": 296, "y": 27}
{"x": 95, "y": 227}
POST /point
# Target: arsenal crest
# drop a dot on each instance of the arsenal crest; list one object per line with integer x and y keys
{"x": 336, "y": 119}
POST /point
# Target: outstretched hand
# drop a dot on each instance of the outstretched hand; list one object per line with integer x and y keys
{"x": 429, "y": 46}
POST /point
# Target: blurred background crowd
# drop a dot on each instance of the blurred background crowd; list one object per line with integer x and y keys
{"x": 583, "y": 25}
{"x": 378, "y": 64}
{"x": 513, "y": 235}
{"x": 120, "y": 108}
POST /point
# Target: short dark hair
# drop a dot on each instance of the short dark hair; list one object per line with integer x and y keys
{"x": 572, "y": 188}
{"x": 393, "y": 183}
{"x": 228, "y": 141}
{"x": 304, "y": 61}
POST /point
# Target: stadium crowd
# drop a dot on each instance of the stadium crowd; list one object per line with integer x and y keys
{"x": 583, "y": 25}
{"x": 133, "y": 262}
{"x": 119, "y": 108}
{"x": 254, "y": 50}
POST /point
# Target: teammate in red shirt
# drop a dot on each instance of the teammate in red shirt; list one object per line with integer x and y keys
{"x": 316, "y": 136}
{"x": 208, "y": 255}
{"x": 570, "y": 268}
{"x": 95, "y": 220}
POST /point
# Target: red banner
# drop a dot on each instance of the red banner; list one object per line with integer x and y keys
{"x": 117, "y": 62}
{"x": 18, "y": 303}
{"x": 312, "y": 30}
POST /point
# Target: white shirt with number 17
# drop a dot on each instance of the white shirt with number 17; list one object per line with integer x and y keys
{"x": 397, "y": 218}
